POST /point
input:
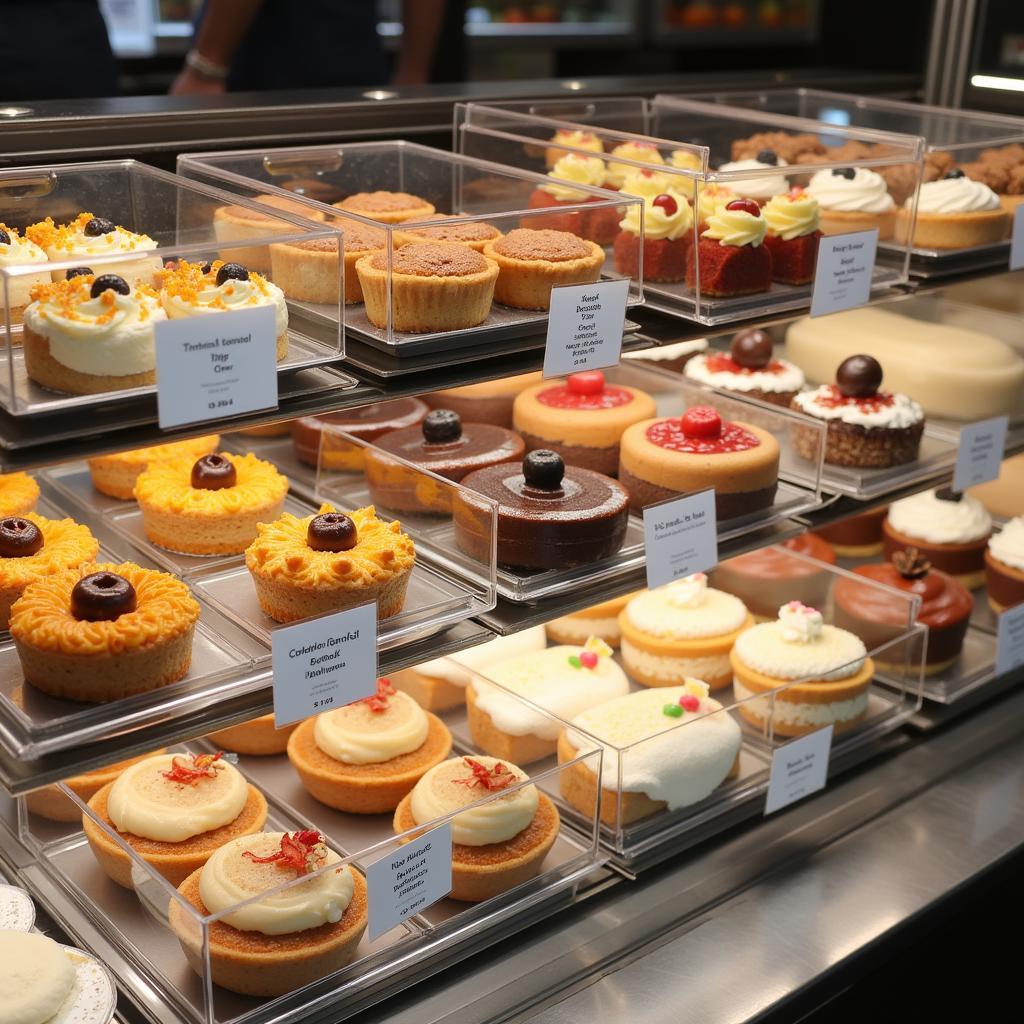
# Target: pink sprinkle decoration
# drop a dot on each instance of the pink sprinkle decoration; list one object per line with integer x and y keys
{"x": 689, "y": 703}
{"x": 588, "y": 659}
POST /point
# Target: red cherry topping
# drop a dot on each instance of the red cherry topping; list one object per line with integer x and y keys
{"x": 747, "y": 205}
{"x": 589, "y": 382}
{"x": 667, "y": 203}
{"x": 701, "y": 421}
{"x": 588, "y": 659}
{"x": 689, "y": 703}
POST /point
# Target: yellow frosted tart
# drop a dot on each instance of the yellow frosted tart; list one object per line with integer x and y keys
{"x": 211, "y": 505}
{"x": 19, "y": 494}
{"x": 103, "y": 631}
{"x": 33, "y": 547}
{"x": 173, "y": 810}
{"x": 115, "y": 474}
{"x": 495, "y": 846}
{"x": 285, "y": 939}
{"x": 329, "y": 562}
{"x": 242, "y": 223}
{"x": 387, "y": 207}
{"x": 259, "y": 737}
{"x": 365, "y": 757}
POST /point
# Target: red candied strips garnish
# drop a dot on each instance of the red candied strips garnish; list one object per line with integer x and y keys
{"x": 380, "y": 701}
{"x": 298, "y": 851}
{"x": 203, "y": 766}
{"x": 497, "y": 777}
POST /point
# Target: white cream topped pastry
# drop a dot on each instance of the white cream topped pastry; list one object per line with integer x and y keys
{"x": 251, "y": 865}
{"x": 735, "y": 227}
{"x": 792, "y": 215}
{"x": 563, "y": 680}
{"x": 374, "y": 730}
{"x": 90, "y": 237}
{"x": 1007, "y": 546}
{"x": 863, "y": 191}
{"x": 928, "y": 517}
{"x": 643, "y": 182}
{"x": 459, "y": 668}
{"x": 954, "y": 195}
{"x": 780, "y": 376}
{"x": 642, "y": 152}
{"x": 577, "y": 168}
{"x": 759, "y": 186}
{"x": 37, "y": 978}
{"x": 665, "y": 353}
{"x": 18, "y": 251}
{"x": 147, "y": 799}
{"x": 666, "y": 215}
{"x": 895, "y": 411}
{"x": 457, "y": 783}
{"x": 680, "y": 766}
{"x": 686, "y": 610}
{"x": 799, "y": 645}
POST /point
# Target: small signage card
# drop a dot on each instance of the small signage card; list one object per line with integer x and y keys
{"x": 798, "y": 769}
{"x": 209, "y": 367}
{"x": 585, "y": 327}
{"x": 845, "y": 267}
{"x": 1017, "y": 239}
{"x": 324, "y": 663}
{"x": 680, "y": 537}
{"x": 980, "y": 452}
{"x": 408, "y": 880}
{"x": 1010, "y": 640}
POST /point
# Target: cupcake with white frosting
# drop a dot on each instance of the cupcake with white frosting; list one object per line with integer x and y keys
{"x": 1004, "y": 566}
{"x": 953, "y": 212}
{"x": 15, "y": 290}
{"x": 853, "y": 199}
{"x": 758, "y": 186}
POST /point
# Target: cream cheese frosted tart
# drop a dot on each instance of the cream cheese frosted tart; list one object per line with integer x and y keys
{"x": 750, "y": 369}
{"x": 490, "y": 401}
{"x": 115, "y": 474}
{"x": 663, "y": 458}
{"x": 582, "y": 418}
{"x": 194, "y": 289}
{"x": 19, "y": 494}
{"x": 682, "y": 630}
{"x": 657, "y": 236}
{"x": 831, "y": 664}
{"x": 1004, "y": 566}
{"x": 597, "y": 225}
{"x": 18, "y": 251}
{"x": 665, "y": 768}
{"x": 285, "y": 939}
{"x": 212, "y": 505}
{"x": 947, "y": 527}
{"x": 87, "y": 335}
{"x": 867, "y": 428}
{"x": 495, "y": 846}
{"x": 793, "y": 220}
{"x": 364, "y": 757}
{"x": 233, "y": 224}
{"x": 600, "y": 620}
{"x": 440, "y": 684}
{"x": 853, "y": 199}
{"x": 563, "y": 680}
{"x": 387, "y": 207}
{"x": 173, "y": 810}
{"x": 87, "y": 238}
{"x": 952, "y": 213}
{"x": 730, "y": 257}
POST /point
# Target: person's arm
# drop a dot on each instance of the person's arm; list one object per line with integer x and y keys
{"x": 421, "y": 26}
{"x": 225, "y": 24}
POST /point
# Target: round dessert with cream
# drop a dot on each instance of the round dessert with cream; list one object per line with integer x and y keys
{"x": 86, "y": 335}
{"x": 281, "y": 938}
{"x": 750, "y": 369}
{"x": 600, "y": 620}
{"x": 19, "y": 251}
{"x": 89, "y": 239}
{"x": 497, "y": 844}
{"x": 665, "y": 767}
{"x": 19, "y": 494}
{"x": 638, "y": 152}
{"x": 793, "y": 220}
{"x": 563, "y": 680}
{"x": 730, "y": 257}
{"x": 666, "y": 457}
{"x": 669, "y": 357}
{"x": 682, "y": 630}
{"x": 949, "y": 528}
{"x": 826, "y": 668}
{"x": 867, "y": 428}
{"x": 1004, "y": 566}
{"x": 657, "y": 235}
{"x": 364, "y": 757}
{"x": 574, "y": 137}
{"x": 173, "y": 810}
{"x": 575, "y": 169}
{"x": 116, "y": 474}
{"x": 953, "y": 212}
{"x": 853, "y": 199}
{"x": 582, "y": 418}
{"x": 757, "y": 186}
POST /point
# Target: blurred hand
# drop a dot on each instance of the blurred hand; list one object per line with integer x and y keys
{"x": 191, "y": 83}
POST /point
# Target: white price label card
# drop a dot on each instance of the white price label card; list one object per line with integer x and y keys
{"x": 843, "y": 273}
{"x": 798, "y": 769}
{"x": 223, "y": 364}
{"x": 980, "y": 452}
{"x": 1017, "y": 239}
{"x": 324, "y": 663}
{"x": 680, "y": 537}
{"x": 408, "y": 880}
{"x": 585, "y": 327}
{"x": 1010, "y": 640}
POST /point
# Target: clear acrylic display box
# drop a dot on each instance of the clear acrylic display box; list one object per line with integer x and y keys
{"x": 341, "y": 479}
{"x": 476, "y": 191}
{"x": 521, "y": 134}
{"x": 148, "y": 957}
{"x": 951, "y": 138}
{"x": 636, "y": 840}
{"x": 187, "y": 221}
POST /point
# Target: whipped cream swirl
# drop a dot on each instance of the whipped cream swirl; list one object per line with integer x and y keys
{"x": 1007, "y": 546}
{"x": 865, "y": 192}
{"x": 927, "y": 517}
{"x": 902, "y": 412}
{"x": 760, "y": 187}
{"x": 955, "y": 195}
{"x": 658, "y": 222}
{"x": 791, "y": 216}
{"x": 574, "y": 167}
{"x": 735, "y": 227}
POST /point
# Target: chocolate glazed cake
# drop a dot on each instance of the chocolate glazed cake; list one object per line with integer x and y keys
{"x": 367, "y": 423}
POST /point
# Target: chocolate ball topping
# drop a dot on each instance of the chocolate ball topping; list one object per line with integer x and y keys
{"x": 19, "y": 537}
{"x": 752, "y": 349}
{"x": 5, "y": 239}
{"x": 859, "y": 376}
{"x": 332, "y": 531}
{"x": 102, "y": 596}
{"x": 441, "y": 426}
{"x": 206, "y": 267}
{"x": 78, "y": 272}
{"x": 954, "y": 173}
{"x": 768, "y": 156}
{"x": 232, "y": 272}
{"x": 543, "y": 470}
{"x": 98, "y": 226}
{"x": 948, "y": 494}
{"x": 109, "y": 282}
{"x": 849, "y": 173}
{"x": 213, "y": 473}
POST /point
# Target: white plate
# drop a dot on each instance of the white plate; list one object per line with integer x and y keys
{"x": 17, "y": 911}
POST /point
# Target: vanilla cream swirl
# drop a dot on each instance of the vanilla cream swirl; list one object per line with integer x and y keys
{"x": 355, "y": 734}
{"x": 642, "y": 152}
{"x": 927, "y": 517}
{"x": 230, "y": 878}
{"x": 78, "y": 243}
{"x": 735, "y": 227}
{"x": 658, "y": 223}
{"x": 20, "y": 252}
{"x": 756, "y": 187}
{"x": 710, "y": 198}
{"x": 231, "y": 295}
{"x": 145, "y": 803}
{"x": 685, "y": 160}
{"x": 791, "y": 216}
{"x": 1007, "y": 546}
{"x": 865, "y": 192}
{"x": 575, "y": 167}
{"x": 646, "y": 183}
{"x": 954, "y": 195}
{"x": 785, "y": 649}
{"x": 445, "y": 789}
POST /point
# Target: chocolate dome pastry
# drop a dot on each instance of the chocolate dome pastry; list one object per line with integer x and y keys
{"x": 550, "y": 516}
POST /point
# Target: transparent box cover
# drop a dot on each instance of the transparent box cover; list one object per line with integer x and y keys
{"x": 389, "y": 304}
{"x": 141, "y": 224}
{"x": 684, "y": 272}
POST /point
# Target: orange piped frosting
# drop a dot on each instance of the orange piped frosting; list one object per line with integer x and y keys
{"x": 187, "y": 283}
{"x": 65, "y": 298}
{"x": 64, "y": 239}
{"x": 41, "y": 617}
{"x": 18, "y": 494}
{"x": 193, "y": 448}
{"x": 166, "y": 486}
{"x": 280, "y": 551}
{"x": 66, "y": 544}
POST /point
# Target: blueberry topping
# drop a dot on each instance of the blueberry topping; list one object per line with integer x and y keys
{"x": 102, "y": 596}
{"x": 768, "y": 156}
{"x": 955, "y": 173}
{"x": 543, "y": 470}
{"x": 441, "y": 426}
{"x": 948, "y": 494}
{"x": 5, "y": 239}
{"x": 332, "y": 531}
{"x": 79, "y": 272}
{"x": 98, "y": 226}
{"x": 110, "y": 282}
{"x": 232, "y": 272}
{"x": 849, "y": 173}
